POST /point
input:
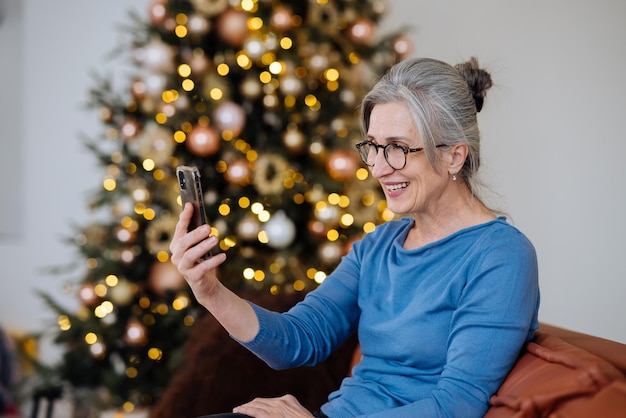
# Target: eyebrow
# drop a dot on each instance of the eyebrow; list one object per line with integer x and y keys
{"x": 390, "y": 138}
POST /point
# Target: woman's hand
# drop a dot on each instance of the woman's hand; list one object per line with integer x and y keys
{"x": 284, "y": 407}
{"x": 188, "y": 249}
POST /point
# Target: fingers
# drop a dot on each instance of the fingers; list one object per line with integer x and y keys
{"x": 284, "y": 407}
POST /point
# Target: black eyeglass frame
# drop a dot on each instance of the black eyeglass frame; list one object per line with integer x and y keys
{"x": 405, "y": 150}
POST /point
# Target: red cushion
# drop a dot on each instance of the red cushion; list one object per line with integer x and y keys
{"x": 548, "y": 376}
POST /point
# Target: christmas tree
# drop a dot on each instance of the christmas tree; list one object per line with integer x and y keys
{"x": 261, "y": 96}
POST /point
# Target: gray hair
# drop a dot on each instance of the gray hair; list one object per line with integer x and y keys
{"x": 443, "y": 100}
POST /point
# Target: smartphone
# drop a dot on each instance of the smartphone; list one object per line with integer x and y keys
{"x": 190, "y": 188}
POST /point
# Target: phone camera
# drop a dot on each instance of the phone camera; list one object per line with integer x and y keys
{"x": 181, "y": 180}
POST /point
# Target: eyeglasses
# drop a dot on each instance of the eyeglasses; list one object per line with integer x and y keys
{"x": 395, "y": 154}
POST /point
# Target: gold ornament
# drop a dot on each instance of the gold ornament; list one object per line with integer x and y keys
{"x": 269, "y": 174}
{"x": 203, "y": 141}
{"x": 165, "y": 277}
{"x": 159, "y": 233}
{"x": 210, "y": 7}
{"x": 248, "y": 228}
{"x": 123, "y": 292}
{"x": 156, "y": 143}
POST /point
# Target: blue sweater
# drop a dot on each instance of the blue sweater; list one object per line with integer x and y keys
{"x": 439, "y": 326}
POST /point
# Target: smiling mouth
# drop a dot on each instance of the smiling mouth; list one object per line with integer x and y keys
{"x": 398, "y": 186}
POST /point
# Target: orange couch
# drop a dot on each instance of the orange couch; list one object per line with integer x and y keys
{"x": 561, "y": 374}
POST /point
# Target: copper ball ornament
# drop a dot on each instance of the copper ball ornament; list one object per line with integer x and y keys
{"x": 203, "y": 141}
{"x": 342, "y": 164}
{"x": 232, "y": 27}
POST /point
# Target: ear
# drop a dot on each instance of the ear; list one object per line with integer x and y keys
{"x": 458, "y": 155}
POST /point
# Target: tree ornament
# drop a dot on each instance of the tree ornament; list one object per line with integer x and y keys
{"x": 159, "y": 232}
{"x": 280, "y": 230}
{"x": 362, "y": 31}
{"x": 198, "y": 25}
{"x": 156, "y": 143}
{"x": 248, "y": 228}
{"x": 330, "y": 252}
{"x": 229, "y": 116}
{"x": 294, "y": 140}
{"x": 129, "y": 129}
{"x": 251, "y": 88}
{"x": 342, "y": 164}
{"x": 87, "y": 294}
{"x": 232, "y": 27}
{"x": 157, "y": 12}
{"x": 123, "y": 292}
{"x": 164, "y": 277}
{"x": 203, "y": 141}
{"x": 136, "y": 333}
{"x": 238, "y": 172}
{"x": 281, "y": 19}
{"x": 198, "y": 62}
{"x": 210, "y": 7}
{"x": 155, "y": 56}
{"x": 403, "y": 46}
{"x": 269, "y": 174}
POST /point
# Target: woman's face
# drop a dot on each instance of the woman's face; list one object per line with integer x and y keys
{"x": 416, "y": 188}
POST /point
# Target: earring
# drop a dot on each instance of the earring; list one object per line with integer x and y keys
{"x": 453, "y": 176}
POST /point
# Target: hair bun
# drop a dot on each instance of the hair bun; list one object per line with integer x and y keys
{"x": 478, "y": 80}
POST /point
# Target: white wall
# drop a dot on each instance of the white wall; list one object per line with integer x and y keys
{"x": 552, "y": 139}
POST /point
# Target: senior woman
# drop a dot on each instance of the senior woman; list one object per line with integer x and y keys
{"x": 442, "y": 299}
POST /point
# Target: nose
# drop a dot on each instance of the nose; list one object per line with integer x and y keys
{"x": 381, "y": 166}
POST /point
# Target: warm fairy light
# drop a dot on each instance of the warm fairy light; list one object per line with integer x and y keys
{"x": 180, "y": 136}
{"x": 91, "y": 338}
{"x": 100, "y": 290}
{"x": 387, "y": 215}
{"x": 369, "y": 227}
{"x": 111, "y": 280}
{"x": 255, "y": 23}
{"x": 184, "y": 70}
{"x": 256, "y": 208}
{"x": 362, "y": 173}
{"x": 276, "y": 67}
{"x": 64, "y": 323}
{"x": 216, "y": 93}
{"x": 155, "y": 354}
{"x": 248, "y": 273}
{"x": 310, "y": 100}
{"x": 264, "y": 216}
{"x": 346, "y": 220}
{"x": 181, "y": 31}
{"x": 223, "y": 69}
{"x": 188, "y": 85}
{"x": 248, "y": 5}
{"x": 148, "y": 164}
{"x": 344, "y": 201}
{"x": 162, "y": 256}
{"x": 265, "y": 77}
{"x": 286, "y": 43}
{"x": 331, "y": 74}
{"x": 149, "y": 214}
{"x": 298, "y": 285}
{"x": 333, "y": 198}
{"x": 181, "y": 302}
{"x": 320, "y": 276}
{"x": 332, "y": 235}
{"x": 224, "y": 209}
{"x": 244, "y": 61}
{"x": 109, "y": 184}
{"x": 262, "y": 237}
{"x": 244, "y": 202}
{"x": 169, "y": 96}
{"x": 131, "y": 372}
